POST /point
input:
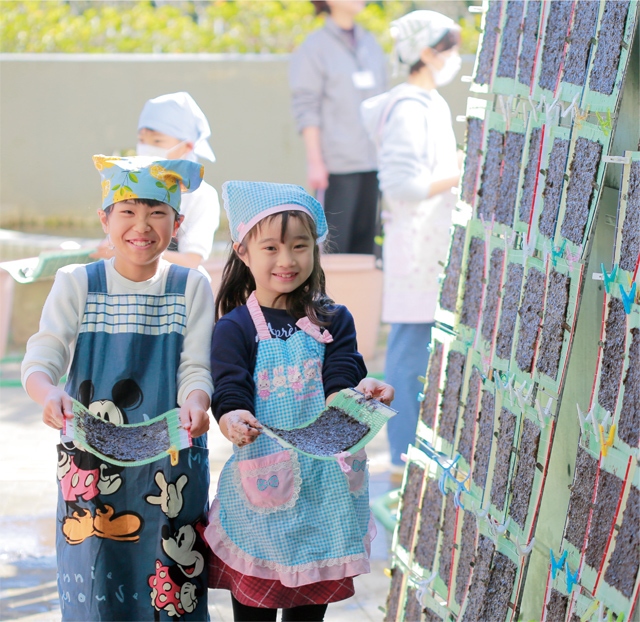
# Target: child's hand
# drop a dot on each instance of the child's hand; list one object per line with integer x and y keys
{"x": 193, "y": 413}
{"x": 240, "y": 427}
{"x": 381, "y": 391}
{"x": 56, "y": 406}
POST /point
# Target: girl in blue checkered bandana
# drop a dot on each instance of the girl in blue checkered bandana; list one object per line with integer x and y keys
{"x": 286, "y": 530}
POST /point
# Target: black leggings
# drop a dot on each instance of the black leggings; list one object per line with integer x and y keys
{"x": 305, "y": 613}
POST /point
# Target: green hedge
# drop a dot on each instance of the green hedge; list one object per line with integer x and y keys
{"x": 248, "y": 26}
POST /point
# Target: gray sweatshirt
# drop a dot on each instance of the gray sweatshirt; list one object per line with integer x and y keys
{"x": 325, "y": 93}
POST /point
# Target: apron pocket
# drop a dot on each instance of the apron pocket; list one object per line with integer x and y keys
{"x": 272, "y": 481}
{"x": 358, "y": 473}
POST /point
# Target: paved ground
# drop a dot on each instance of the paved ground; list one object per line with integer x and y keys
{"x": 28, "y": 589}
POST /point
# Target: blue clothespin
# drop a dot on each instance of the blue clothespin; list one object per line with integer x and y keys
{"x": 557, "y": 253}
{"x": 459, "y": 491}
{"x": 421, "y": 396}
{"x": 446, "y": 471}
{"x": 609, "y": 278}
{"x": 555, "y": 566}
{"x": 572, "y": 579}
{"x": 627, "y": 300}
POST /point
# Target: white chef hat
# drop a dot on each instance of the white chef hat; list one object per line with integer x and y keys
{"x": 416, "y": 31}
{"x": 178, "y": 115}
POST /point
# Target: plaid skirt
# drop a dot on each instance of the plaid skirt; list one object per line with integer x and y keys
{"x": 270, "y": 593}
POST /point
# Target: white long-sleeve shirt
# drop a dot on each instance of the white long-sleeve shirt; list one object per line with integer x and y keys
{"x": 50, "y": 349}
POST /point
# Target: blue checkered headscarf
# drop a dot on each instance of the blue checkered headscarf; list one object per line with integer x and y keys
{"x": 248, "y": 202}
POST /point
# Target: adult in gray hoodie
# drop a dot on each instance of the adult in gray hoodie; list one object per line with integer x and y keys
{"x": 418, "y": 165}
{"x": 331, "y": 74}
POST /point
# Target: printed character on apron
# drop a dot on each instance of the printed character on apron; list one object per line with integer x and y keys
{"x": 130, "y": 525}
{"x": 276, "y": 511}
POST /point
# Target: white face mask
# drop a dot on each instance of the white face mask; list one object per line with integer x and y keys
{"x": 142, "y": 149}
{"x": 448, "y": 71}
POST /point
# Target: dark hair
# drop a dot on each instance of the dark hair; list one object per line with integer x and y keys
{"x": 449, "y": 39}
{"x": 147, "y": 202}
{"x": 308, "y": 299}
{"x": 321, "y": 6}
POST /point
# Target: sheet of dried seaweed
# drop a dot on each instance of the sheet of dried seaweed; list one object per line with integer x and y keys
{"x": 553, "y": 187}
{"x": 630, "y": 245}
{"x": 503, "y": 458}
{"x": 530, "y": 175}
{"x": 484, "y": 438}
{"x": 607, "y": 57}
{"x": 506, "y": 201}
{"x": 530, "y": 313}
{"x": 472, "y": 296}
{"x": 582, "y": 31}
{"x": 467, "y": 547}
{"x": 510, "y": 39}
{"x": 529, "y": 42}
{"x": 499, "y": 588}
{"x": 555, "y": 318}
{"x": 427, "y": 540}
{"x": 490, "y": 178}
{"x": 487, "y": 51}
{"x": 492, "y": 297}
{"x": 465, "y": 443}
{"x": 622, "y": 571}
{"x": 454, "y": 375}
{"x": 509, "y": 312}
{"x": 613, "y": 355}
{"x": 449, "y": 291}
{"x": 556, "y": 606}
{"x": 448, "y": 536}
{"x": 432, "y": 390}
{"x": 395, "y": 593}
{"x": 474, "y": 149}
{"x": 629, "y": 423}
{"x": 410, "y": 505}
{"x": 522, "y": 482}
{"x": 584, "y": 172}
{"x": 554, "y": 43}
{"x": 479, "y": 580}
{"x": 580, "y": 500}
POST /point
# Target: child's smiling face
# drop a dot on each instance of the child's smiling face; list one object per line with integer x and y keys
{"x": 278, "y": 264}
{"x": 139, "y": 234}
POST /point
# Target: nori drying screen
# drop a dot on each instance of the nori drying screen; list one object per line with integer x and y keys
{"x": 410, "y": 505}
{"x": 503, "y": 458}
{"x": 613, "y": 355}
{"x": 347, "y": 425}
{"x": 510, "y": 40}
{"x": 454, "y": 375}
{"x": 490, "y": 179}
{"x": 522, "y": 483}
{"x": 530, "y": 175}
{"x": 425, "y": 547}
{"x": 629, "y": 426}
{"x": 506, "y": 201}
{"x": 129, "y": 444}
{"x": 472, "y": 296}
{"x": 509, "y": 312}
{"x": 530, "y": 313}
{"x": 431, "y": 391}
{"x": 474, "y": 145}
{"x": 580, "y": 500}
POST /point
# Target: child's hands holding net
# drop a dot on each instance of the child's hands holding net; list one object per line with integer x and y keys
{"x": 376, "y": 389}
{"x": 240, "y": 427}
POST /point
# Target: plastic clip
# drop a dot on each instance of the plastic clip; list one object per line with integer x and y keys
{"x": 461, "y": 488}
{"x": 557, "y": 565}
{"x": 524, "y": 550}
{"x": 604, "y": 445}
{"x": 543, "y": 415}
{"x": 605, "y": 124}
{"x": 583, "y": 417}
{"x": 571, "y": 258}
{"x": 572, "y": 579}
{"x": 523, "y": 400}
{"x": 628, "y": 299}
{"x": 421, "y": 591}
{"x": 173, "y": 452}
{"x": 609, "y": 278}
{"x": 558, "y": 252}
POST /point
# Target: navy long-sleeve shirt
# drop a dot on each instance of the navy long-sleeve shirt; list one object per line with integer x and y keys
{"x": 234, "y": 348}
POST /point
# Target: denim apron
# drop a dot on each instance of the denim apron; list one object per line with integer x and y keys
{"x": 128, "y": 540}
{"x": 279, "y": 514}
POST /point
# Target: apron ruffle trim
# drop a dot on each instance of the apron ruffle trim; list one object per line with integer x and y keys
{"x": 290, "y": 576}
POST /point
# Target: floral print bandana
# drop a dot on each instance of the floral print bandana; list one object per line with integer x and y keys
{"x": 142, "y": 177}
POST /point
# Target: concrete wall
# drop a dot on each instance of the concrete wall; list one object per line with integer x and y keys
{"x": 57, "y": 110}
